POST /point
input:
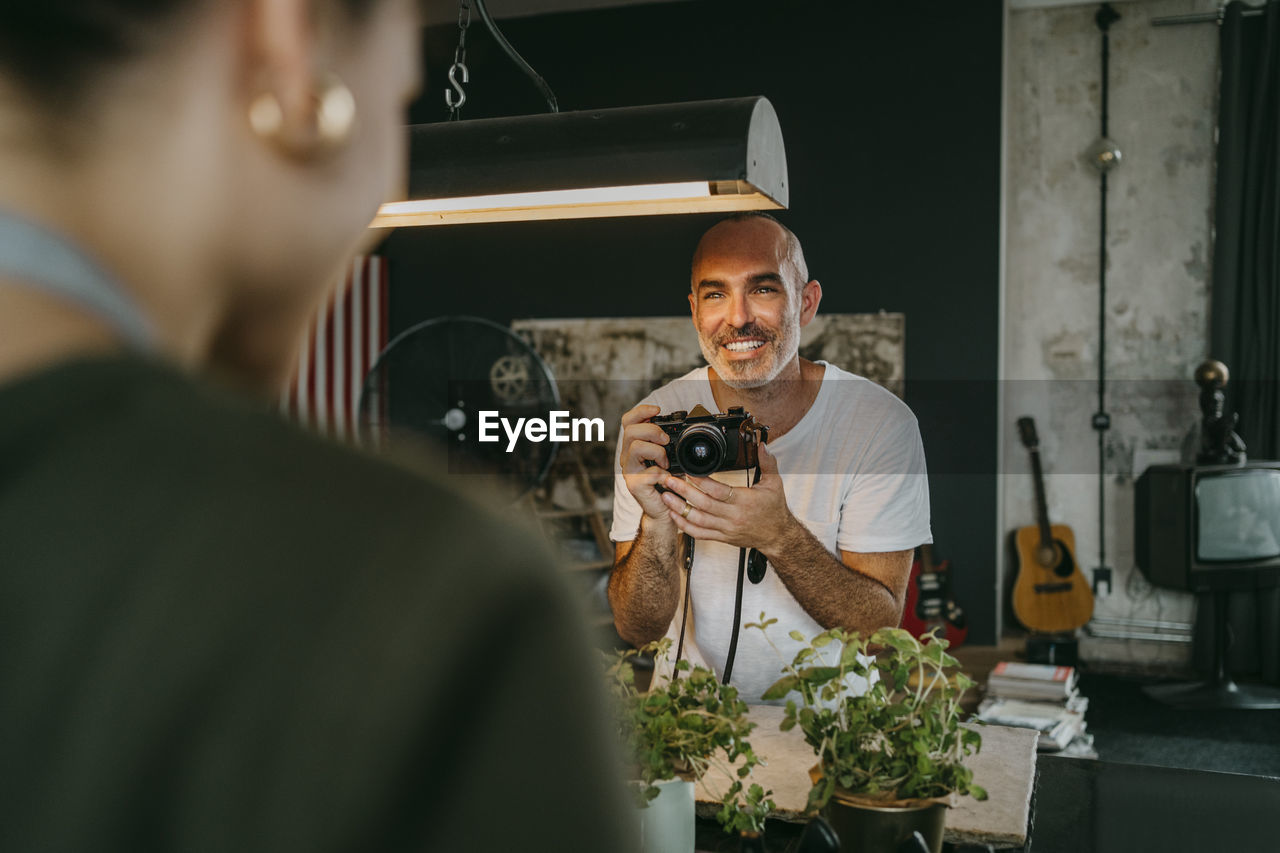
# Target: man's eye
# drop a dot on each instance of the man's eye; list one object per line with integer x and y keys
{"x": 712, "y": 294}
{"x": 766, "y": 288}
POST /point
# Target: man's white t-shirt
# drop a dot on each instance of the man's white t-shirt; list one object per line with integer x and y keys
{"x": 854, "y": 474}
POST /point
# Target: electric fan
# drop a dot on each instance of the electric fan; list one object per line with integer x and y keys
{"x": 437, "y": 379}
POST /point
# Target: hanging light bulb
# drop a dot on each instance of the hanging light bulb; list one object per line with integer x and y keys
{"x": 1104, "y": 155}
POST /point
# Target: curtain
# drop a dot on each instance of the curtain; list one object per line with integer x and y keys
{"x": 1245, "y": 307}
{"x": 1245, "y": 304}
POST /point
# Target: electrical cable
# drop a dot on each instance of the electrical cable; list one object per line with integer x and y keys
{"x": 552, "y": 104}
{"x": 1105, "y": 17}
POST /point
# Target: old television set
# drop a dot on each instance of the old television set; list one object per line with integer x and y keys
{"x": 1210, "y": 529}
{"x": 1204, "y": 528}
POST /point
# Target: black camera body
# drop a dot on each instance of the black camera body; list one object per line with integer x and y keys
{"x": 702, "y": 443}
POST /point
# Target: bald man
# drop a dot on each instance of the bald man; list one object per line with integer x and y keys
{"x": 842, "y": 499}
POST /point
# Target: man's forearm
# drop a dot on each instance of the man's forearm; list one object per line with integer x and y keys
{"x": 644, "y": 589}
{"x": 834, "y": 594}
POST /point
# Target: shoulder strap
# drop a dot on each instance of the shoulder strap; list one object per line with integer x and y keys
{"x": 43, "y": 260}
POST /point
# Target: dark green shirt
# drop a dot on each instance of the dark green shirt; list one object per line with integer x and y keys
{"x": 220, "y": 633}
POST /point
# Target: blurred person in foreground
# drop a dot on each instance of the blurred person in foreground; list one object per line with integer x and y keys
{"x": 217, "y": 632}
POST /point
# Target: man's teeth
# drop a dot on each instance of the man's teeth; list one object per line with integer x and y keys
{"x": 743, "y": 346}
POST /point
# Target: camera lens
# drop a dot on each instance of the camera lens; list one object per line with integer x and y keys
{"x": 700, "y": 449}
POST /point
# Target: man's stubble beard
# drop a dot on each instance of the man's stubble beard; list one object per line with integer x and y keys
{"x": 785, "y": 344}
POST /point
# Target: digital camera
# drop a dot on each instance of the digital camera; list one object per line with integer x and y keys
{"x": 702, "y": 443}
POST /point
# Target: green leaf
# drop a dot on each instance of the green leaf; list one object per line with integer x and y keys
{"x": 781, "y": 687}
{"x": 849, "y": 655}
{"x": 934, "y": 653}
{"x": 898, "y": 639}
{"x": 817, "y": 675}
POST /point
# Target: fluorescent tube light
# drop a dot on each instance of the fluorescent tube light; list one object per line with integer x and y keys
{"x": 704, "y": 156}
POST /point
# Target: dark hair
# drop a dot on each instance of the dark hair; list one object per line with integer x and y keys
{"x": 53, "y": 48}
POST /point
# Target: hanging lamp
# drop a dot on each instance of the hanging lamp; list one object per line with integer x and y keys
{"x": 701, "y": 156}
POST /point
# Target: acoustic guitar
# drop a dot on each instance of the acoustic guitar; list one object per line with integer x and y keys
{"x": 1050, "y": 593}
{"x": 929, "y": 602}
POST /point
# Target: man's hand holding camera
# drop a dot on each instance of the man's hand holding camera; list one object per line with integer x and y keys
{"x": 643, "y": 442}
{"x": 701, "y": 507}
{"x": 757, "y": 517}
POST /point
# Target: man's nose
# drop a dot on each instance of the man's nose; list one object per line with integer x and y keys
{"x": 739, "y": 311}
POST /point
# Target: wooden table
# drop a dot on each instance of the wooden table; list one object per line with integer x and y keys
{"x": 1005, "y": 767}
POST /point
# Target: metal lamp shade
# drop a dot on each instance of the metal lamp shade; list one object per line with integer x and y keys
{"x": 700, "y": 156}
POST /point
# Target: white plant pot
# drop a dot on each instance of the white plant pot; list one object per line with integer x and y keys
{"x": 667, "y": 825}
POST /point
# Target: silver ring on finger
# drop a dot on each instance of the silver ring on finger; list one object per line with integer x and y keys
{"x": 729, "y": 497}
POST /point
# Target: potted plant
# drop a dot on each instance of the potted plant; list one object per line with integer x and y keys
{"x": 890, "y": 757}
{"x": 674, "y": 732}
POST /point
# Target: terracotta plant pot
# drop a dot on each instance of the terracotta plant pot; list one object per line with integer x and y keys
{"x": 866, "y": 828}
{"x": 667, "y": 824}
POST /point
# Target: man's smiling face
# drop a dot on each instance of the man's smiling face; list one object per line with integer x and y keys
{"x": 746, "y": 301}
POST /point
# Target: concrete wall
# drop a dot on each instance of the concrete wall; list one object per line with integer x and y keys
{"x": 1162, "y": 114}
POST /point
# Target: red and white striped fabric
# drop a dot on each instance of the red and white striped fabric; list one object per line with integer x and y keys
{"x": 340, "y": 347}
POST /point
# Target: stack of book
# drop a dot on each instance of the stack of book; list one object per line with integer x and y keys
{"x": 1041, "y": 697}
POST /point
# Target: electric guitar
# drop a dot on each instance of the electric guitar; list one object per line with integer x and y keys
{"x": 929, "y": 602}
{"x": 1050, "y": 593}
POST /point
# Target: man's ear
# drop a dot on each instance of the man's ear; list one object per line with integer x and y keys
{"x": 810, "y": 296}
{"x": 693, "y": 310}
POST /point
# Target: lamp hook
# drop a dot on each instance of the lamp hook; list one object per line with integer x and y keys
{"x": 459, "y": 62}
{"x": 453, "y": 81}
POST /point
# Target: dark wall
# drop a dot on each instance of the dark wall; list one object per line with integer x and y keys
{"x": 891, "y": 116}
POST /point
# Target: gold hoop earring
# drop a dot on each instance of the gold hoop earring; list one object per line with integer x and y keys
{"x": 326, "y": 128}
{"x": 266, "y": 116}
{"x": 335, "y": 112}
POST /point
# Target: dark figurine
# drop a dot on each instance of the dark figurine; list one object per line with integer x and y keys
{"x": 1219, "y": 443}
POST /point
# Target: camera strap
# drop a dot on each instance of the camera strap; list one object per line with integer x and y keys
{"x": 750, "y": 563}
{"x": 756, "y": 561}
{"x": 684, "y": 609}
{"x": 737, "y": 617}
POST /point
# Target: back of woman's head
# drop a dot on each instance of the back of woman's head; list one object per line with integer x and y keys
{"x": 220, "y": 157}
{"x": 53, "y": 49}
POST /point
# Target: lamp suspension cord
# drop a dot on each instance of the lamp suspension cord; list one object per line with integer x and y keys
{"x": 552, "y": 104}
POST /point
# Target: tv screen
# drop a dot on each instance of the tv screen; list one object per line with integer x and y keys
{"x": 1238, "y": 515}
{"x": 1203, "y": 527}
